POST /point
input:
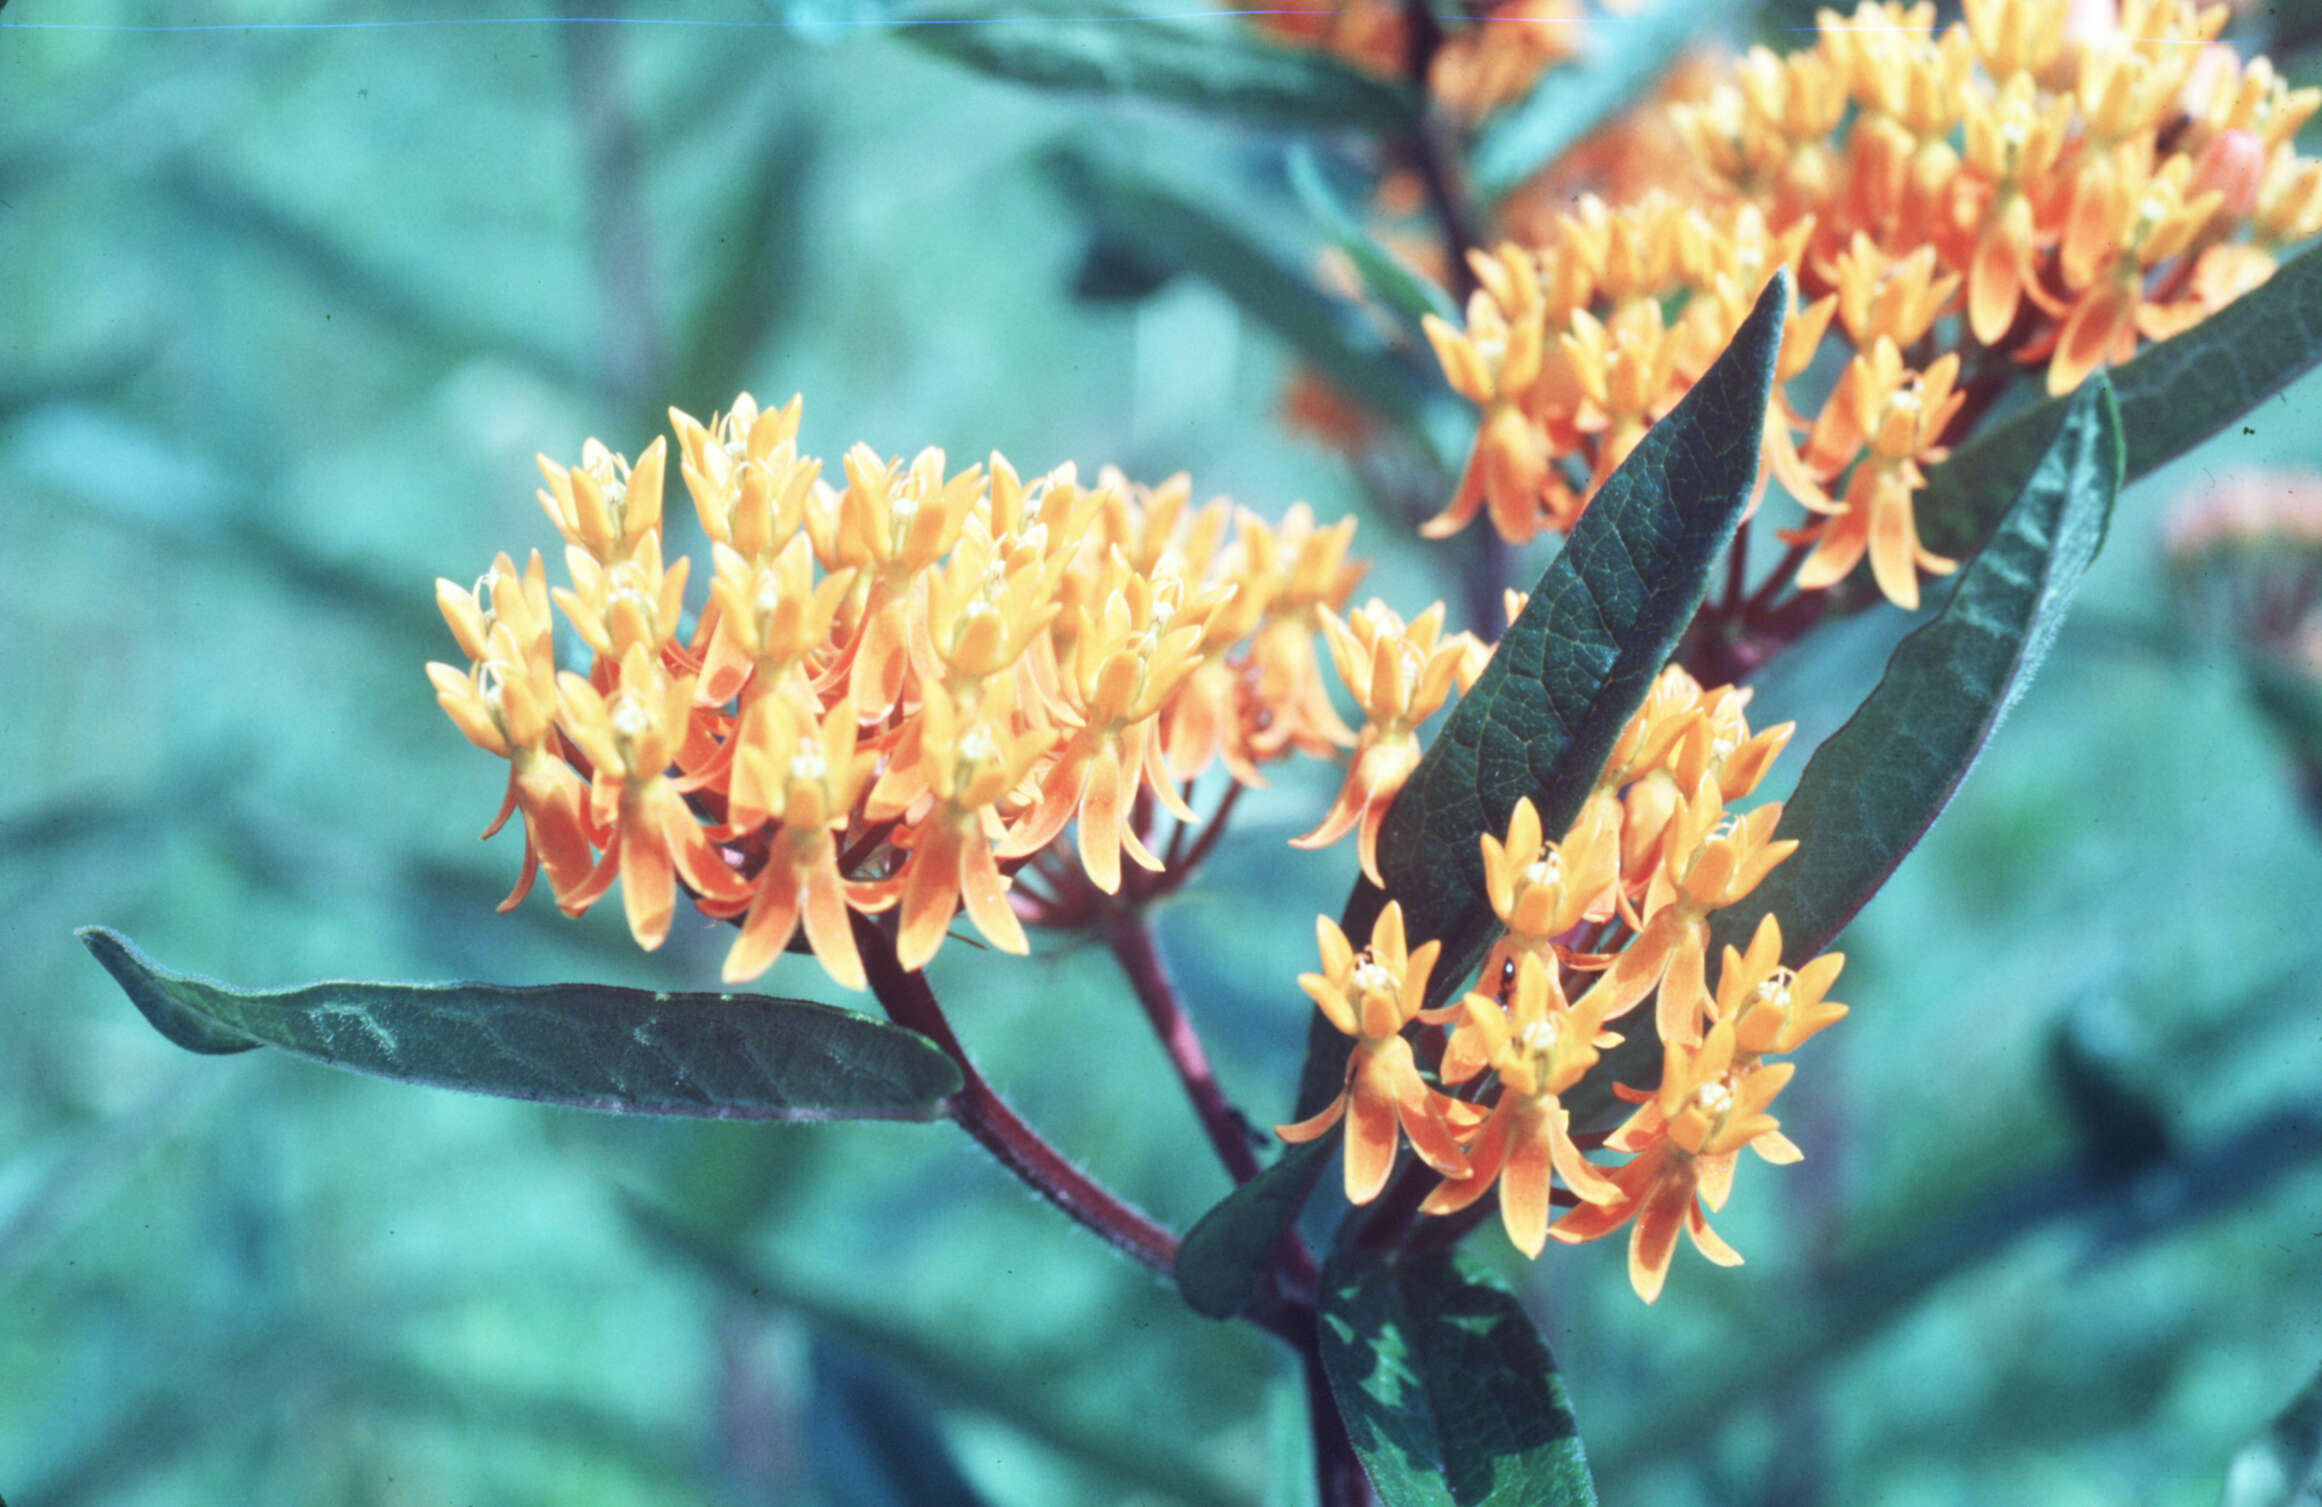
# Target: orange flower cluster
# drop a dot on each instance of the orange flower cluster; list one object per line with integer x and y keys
{"x": 2036, "y": 184}
{"x": 901, "y": 688}
{"x": 1615, "y": 911}
{"x": 1480, "y": 68}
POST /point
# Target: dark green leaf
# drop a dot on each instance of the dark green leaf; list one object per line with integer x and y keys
{"x": 1448, "y": 1392}
{"x": 591, "y": 1046}
{"x": 2281, "y": 1467}
{"x": 1873, "y": 789}
{"x": 1220, "y": 67}
{"x": 2172, "y": 395}
{"x": 1223, "y": 1260}
{"x": 873, "y": 1441}
{"x": 1567, "y": 674}
{"x": 1622, "y": 55}
{"x": 1179, "y": 224}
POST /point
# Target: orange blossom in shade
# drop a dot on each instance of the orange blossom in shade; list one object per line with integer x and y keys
{"x": 1539, "y": 889}
{"x": 506, "y": 704}
{"x": 1709, "y": 1106}
{"x": 1708, "y": 862}
{"x": 1539, "y": 1046}
{"x": 968, "y": 763}
{"x": 1372, "y": 995}
{"x": 629, "y": 737}
{"x": 1882, "y": 420}
{"x": 1399, "y": 674}
{"x": 812, "y": 776}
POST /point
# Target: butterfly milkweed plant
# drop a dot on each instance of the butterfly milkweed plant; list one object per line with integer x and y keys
{"x": 1671, "y": 360}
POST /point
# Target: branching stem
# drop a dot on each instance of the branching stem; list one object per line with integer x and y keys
{"x": 908, "y": 1001}
{"x": 1129, "y": 933}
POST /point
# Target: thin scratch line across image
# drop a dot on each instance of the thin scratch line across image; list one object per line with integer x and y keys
{"x": 822, "y": 23}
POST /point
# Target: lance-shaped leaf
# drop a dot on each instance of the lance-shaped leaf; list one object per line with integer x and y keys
{"x": 1875, "y": 787}
{"x": 591, "y": 1046}
{"x": 1222, "y": 1261}
{"x": 1178, "y": 224}
{"x": 2281, "y": 1467}
{"x": 1448, "y": 1393}
{"x": 1220, "y": 67}
{"x": 2172, "y": 395}
{"x": 1570, "y": 670}
{"x": 1408, "y": 292}
{"x": 1622, "y": 54}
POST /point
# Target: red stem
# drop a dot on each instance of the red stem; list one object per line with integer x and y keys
{"x": 1130, "y": 936}
{"x": 908, "y": 1001}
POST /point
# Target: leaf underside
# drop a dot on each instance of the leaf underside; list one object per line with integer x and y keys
{"x": 589, "y": 1046}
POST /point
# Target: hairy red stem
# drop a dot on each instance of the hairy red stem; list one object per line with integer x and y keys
{"x": 1130, "y": 935}
{"x": 908, "y": 1001}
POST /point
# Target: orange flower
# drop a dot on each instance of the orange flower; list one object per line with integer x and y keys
{"x": 630, "y": 739}
{"x": 1399, "y": 676}
{"x": 1540, "y": 1046}
{"x": 1890, "y": 418}
{"x": 1127, "y": 660}
{"x": 506, "y": 705}
{"x": 603, "y": 505}
{"x": 814, "y": 777}
{"x": 1771, "y": 1008}
{"x": 1709, "y": 1106}
{"x": 968, "y": 761}
{"x": 1541, "y": 889}
{"x": 1707, "y": 864}
{"x": 2145, "y": 219}
{"x": 1372, "y": 996}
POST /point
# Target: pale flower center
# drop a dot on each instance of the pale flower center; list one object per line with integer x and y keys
{"x": 1369, "y": 977}
{"x": 809, "y": 765}
{"x": 1713, "y": 1098}
{"x": 1545, "y": 870}
{"x": 977, "y": 747}
{"x": 1539, "y": 1037}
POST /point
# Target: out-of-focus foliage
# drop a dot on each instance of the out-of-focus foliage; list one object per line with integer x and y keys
{"x": 286, "y": 312}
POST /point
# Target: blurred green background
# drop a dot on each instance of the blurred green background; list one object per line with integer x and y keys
{"x": 285, "y": 312}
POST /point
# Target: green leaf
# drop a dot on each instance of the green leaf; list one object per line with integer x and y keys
{"x": 2281, "y": 1467}
{"x": 1220, "y": 67}
{"x": 1448, "y": 1392}
{"x": 1179, "y": 224}
{"x": 1567, "y": 674}
{"x": 1391, "y": 280}
{"x": 590, "y": 1046}
{"x": 1223, "y": 1260}
{"x": 2172, "y": 396}
{"x": 1623, "y": 55}
{"x": 1875, "y": 787}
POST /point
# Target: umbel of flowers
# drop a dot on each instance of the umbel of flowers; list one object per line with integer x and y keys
{"x": 901, "y": 690}
{"x": 1612, "y": 914}
{"x": 2037, "y": 185}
